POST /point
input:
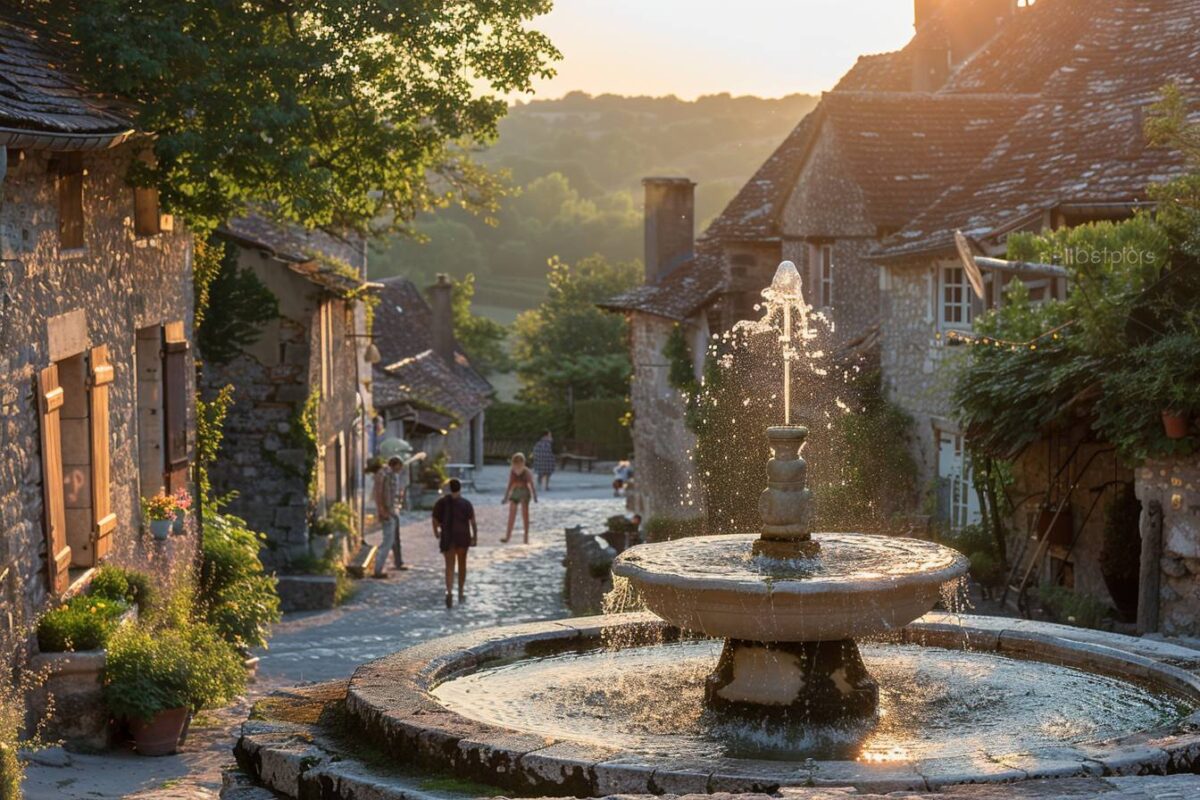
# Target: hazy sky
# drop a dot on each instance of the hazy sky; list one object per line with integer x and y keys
{"x": 692, "y": 47}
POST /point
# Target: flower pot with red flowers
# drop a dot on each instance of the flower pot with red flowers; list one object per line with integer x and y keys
{"x": 183, "y": 502}
{"x": 159, "y": 513}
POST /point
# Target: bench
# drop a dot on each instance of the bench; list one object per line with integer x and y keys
{"x": 580, "y": 461}
{"x": 363, "y": 561}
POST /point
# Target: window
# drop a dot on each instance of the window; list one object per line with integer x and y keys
{"x": 825, "y": 276}
{"x": 148, "y": 219}
{"x": 958, "y": 501}
{"x": 741, "y": 264}
{"x": 175, "y": 404}
{"x": 70, "y": 201}
{"x": 955, "y": 298}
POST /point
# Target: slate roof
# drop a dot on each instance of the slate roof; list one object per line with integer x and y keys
{"x": 41, "y": 93}
{"x": 326, "y": 259}
{"x": 901, "y": 149}
{"x": 881, "y": 72}
{"x": 410, "y": 372}
{"x": 687, "y": 289}
{"x": 1082, "y": 141}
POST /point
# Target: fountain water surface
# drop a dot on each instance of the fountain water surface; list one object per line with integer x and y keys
{"x": 790, "y": 604}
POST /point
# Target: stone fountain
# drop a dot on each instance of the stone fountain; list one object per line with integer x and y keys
{"x": 790, "y": 604}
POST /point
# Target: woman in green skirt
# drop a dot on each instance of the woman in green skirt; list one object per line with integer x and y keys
{"x": 521, "y": 489}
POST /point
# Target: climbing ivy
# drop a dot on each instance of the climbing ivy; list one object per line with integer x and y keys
{"x": 210, "y": 421}
{"x": 305, "y": 434}
{"x": 680, "y": 370}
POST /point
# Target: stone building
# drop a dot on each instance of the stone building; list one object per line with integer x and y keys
{"x": 1077, "y": 154}
{"x": 96, "y": 316}
{"x": 294, "y": 437}
{"x": 876, "y": 150}
{"x": 425, "y": 387}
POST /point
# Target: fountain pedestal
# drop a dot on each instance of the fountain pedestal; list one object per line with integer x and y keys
{"x": 786, "y": 504}
{"x": 795, "y": 682}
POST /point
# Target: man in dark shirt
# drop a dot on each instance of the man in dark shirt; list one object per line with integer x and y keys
{"x": 454, "y": 528}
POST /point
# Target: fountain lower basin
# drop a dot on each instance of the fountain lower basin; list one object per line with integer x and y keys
{"x": 413, "y": 706}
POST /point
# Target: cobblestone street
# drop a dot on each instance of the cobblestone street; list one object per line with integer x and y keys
{"x": 506, "y": 584}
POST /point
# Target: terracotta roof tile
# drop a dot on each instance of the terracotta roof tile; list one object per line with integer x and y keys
{"x": 410, "y": 372}
{"x": 1082, "y": 141}
{"x": 686, "y": 290}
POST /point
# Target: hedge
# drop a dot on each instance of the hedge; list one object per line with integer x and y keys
{"x": 598, "y": 422}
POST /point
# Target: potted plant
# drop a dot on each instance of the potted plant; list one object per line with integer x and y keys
{"x": 157, "y": 677}
{"x": 1173, "y": 376}
{"x": 183, "y": 501}
{"x": 159, "y": 512}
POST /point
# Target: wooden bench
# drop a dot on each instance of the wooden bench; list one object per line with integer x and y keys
{"x": 464, "y": 472}
{"x": 363, "y": 561}
{"x": 580, "y": 461}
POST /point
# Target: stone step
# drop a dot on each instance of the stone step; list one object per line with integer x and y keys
{"x": 363, "y": 561}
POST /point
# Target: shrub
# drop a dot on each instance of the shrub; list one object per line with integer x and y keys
{"x": 84, "y": 623}
{"x": 339, "y": 519}
{"x": 979, "y": 546}
{"x": 238, "y": 598}
{"x": 619, "y": 523}
{"x": 600, "y": 423}
{"x": 125, "y": 585}
{"x": 183, "y": 664}
{"x": 1071, "y": 608}
{"x": 328, "y": 564}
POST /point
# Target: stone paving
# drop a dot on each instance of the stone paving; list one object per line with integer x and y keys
{"x": 506, "y": 584}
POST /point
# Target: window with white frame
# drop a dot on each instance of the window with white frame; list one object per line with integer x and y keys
{"x": 958, "y": 501}
{"x": 954, "y": 298}
{"x": 825, "y": 275}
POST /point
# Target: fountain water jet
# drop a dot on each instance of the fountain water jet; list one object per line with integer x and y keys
{"x": 790, "y": 604}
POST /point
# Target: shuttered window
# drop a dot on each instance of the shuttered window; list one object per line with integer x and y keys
{"x": 58, "y": 554}
{"x": 100, "y": 376}
{"x": 175, "y": 404}
{"x": 70, "y": 201}
{"x": 146, "y": 219}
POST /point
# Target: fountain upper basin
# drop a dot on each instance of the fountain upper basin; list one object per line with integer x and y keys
{"x": 859, "y": 585}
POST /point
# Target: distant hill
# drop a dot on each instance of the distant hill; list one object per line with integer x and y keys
{"x": 577, "y": 163}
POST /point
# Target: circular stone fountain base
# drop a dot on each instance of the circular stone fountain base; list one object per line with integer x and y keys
{"x": 397, "y": 704}
{"x": 792, "y": 682}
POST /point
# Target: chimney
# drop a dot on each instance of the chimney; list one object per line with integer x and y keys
{"x": 442, "y": 324}
{"x": 951, "y": 31}
{"x": 670, "y": 225}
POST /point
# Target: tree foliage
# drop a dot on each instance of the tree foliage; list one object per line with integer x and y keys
{"x": 569, "y": 348}
{"x": 339, "y": 112}
{"x": 483, "y": 339}
{"x": 1122, "y": 346}
{"x": 238, "y": 305}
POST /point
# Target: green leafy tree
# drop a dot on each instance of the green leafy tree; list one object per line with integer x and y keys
{"x": 483, "y": 339}
{"x": 337, "y": 113}
{"x": 238, "y": 305}
{"x": 441, "y": 244}
{"x": 567, "y": 348}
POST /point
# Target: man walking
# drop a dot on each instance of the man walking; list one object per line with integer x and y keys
{"x": 454, "y": 528}
{"x": 388, "y": 496}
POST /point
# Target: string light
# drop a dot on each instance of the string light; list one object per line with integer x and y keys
{"x": 1032, "y": 344}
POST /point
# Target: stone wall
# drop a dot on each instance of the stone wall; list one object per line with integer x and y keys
{"x": 917, "y": 364}
{"x": 114, "y": 286}
{"x": 855, "y": 283}
{"x": 1175, "y": 487}
{"x": 263, "y": 457}
{"x": 588, "y": 575}
{"x": 664, "y": 481}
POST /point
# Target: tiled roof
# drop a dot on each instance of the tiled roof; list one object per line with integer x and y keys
{"x": 882, "y": 72}
{"x": 410, "y": 372}
{"x": 895, "y": 152}
{"x": 1081, "y": 142}
{"x": 686, "y": 290}
{"x": 330, "y": 261}
{"x": 40, "y": 93}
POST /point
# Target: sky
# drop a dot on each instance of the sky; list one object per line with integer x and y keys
{"x": 688, "y": 48}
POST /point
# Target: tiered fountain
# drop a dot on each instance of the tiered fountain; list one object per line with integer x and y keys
{"x": 789, "y": 604}
{"x": 630, "y": 704}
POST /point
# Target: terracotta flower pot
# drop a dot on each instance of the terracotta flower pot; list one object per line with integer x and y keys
{"x": 159, "y": 736}
{"x": 1175, "y": 424}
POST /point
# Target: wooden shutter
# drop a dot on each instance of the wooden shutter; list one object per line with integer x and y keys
{"x": 58, "y": 553}
{"x": 175, "y": 404}
{"x": 70, "y": 202}
{"x": 104, "y": 521}
{"x": 146, "y": 219}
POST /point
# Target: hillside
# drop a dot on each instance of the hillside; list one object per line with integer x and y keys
{"x": 576, "y": 164}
